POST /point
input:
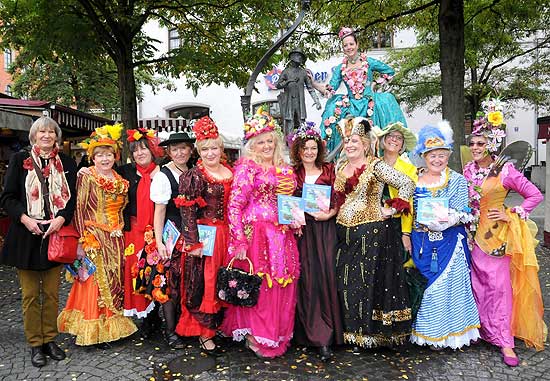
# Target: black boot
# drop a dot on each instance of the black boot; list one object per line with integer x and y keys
{"x": 173, "y": 340}
{"x": 38, "y": 358}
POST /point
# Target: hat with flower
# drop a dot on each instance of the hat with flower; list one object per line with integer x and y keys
{"x": 489, "y": 123}
{"x": 108, "y": 135}
{"x": 434, "y": 137}
{"x": 150, "y": 135}
{"x": 344, "y": 32}
{"x": 259, "y": 123}
{"x": 307, "y": 130}
{"x": 205, "y": 128}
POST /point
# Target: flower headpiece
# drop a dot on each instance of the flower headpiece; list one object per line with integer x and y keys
{"x": 151, "y": 136}
{"x": 108, "y": 135}
{"x": 431, "y": 138}
{"x": 355, "y": 126}
{"x": 205, "y": 128}
{"x": 344, "y": 32}
{"x": 259, "y": 123}
{"x": 306, "y": 131}
{"x": 489, "y": 123}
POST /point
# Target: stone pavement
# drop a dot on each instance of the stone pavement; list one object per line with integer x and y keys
{"x": 137, "y": 359}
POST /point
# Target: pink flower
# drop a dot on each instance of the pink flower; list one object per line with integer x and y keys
{"x": 337, "y": 111}
{"x": 141, "y": 263}
{"x": 233, "y": 283}
{"x": 326, "y": 122}
{"x": 221, "y": 294}
{"x": 242, "y": 294}
{"x": 153, "y": 258}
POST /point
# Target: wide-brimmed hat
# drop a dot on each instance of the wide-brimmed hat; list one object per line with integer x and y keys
{"x": 408, "y": 136}
{"x": 106, "y": 136}
{"x": 434, "y": 137}
{"x": 178, "y": 137}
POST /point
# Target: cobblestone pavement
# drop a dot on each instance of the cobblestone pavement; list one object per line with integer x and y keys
{"x": 137, "y": 359}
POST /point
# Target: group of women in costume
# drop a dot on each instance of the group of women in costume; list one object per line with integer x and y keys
{"x": 345, "y": 277}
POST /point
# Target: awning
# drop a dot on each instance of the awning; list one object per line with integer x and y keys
{"x": 15, "y": 121}
{"x": 164, "y": 124}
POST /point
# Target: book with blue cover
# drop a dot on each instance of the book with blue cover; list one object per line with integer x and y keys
{"x": 207, "y": 236}
{"x": 170, "y": 235}
{"x": 432, "y": 209}
{"x": 290, "y": 209}
{"x": 316, "y": 197}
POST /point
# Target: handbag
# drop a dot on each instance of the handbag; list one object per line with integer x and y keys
{"x": 63, "y": 244}
{"x": 238, "y": 287}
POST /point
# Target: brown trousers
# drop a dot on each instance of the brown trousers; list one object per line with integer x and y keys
{"x": 40, "y": 300}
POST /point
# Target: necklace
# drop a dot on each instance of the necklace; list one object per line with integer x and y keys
{"x": 353, "y": 60}
{"x": 179, "y": 169}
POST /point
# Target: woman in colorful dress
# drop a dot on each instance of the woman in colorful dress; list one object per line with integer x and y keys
{"x": 504, "y": 265}
{"x": 318, "y": 320}
{"x": 94, "y": 310}
{"x": 138, "y": 213}
{"x": 31, "y": 223}
{"x": 204, "y": 192}
{"x": 357, "y": 73}
{"x": 164, "y": 190}
{"x": 370, "y": 279}
{"x": 260, "y": 176}
{"x": 394, "y": 140}
{"x": 448, "y": 314}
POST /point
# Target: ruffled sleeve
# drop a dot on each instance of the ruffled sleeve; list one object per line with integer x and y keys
{"x": 161, "y": 190}
{"x": 514, "y": 180}
{"x": 192, "y": 185}
{"x": 240, "y": 196}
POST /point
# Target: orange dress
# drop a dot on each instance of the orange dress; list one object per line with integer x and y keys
{"x": 94, "y": 310}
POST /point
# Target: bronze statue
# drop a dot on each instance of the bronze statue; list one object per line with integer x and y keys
{"x": 292, "y": 100}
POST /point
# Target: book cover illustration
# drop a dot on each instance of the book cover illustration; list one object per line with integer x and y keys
{"x": 290, "y": 209}
{"x": 316, "y": 198}
{"x": 170, "y": 235}
{"x": 207, "y": 236}
{"x": 432, "y": 209}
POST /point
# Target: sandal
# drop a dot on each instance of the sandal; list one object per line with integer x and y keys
{"x": 215, "y": 352}
{"x": 254, "y": 349}
{"x": 174, "y": 341}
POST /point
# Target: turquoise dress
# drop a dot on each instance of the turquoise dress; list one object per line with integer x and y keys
{"x": 381, "y": 108}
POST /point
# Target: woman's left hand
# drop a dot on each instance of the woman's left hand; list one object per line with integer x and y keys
{"x": 498, "y": 215}
{"x": 406, "y": 239}
{"x": 387, "y": 212}
{"x": 196, "y": 253}
{"x": 55, "y": 225}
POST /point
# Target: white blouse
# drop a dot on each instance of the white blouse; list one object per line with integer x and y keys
{"x": 161, "y": 190}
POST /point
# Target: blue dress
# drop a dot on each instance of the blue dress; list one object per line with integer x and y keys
{"x": 381, "y": 108}
{"x": 448, "y": 315}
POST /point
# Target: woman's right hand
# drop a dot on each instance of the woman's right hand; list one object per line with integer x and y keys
{"x": 163, "y": 253}
{"x": 31, "y": 224}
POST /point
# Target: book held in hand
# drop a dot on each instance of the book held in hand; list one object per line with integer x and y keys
{"x": 207, "y": 236}
{"x": 316, "y": 197}
{"x": 290, "y": 209}
{"x": 170, "y": 235}
{"x": 432, "y": 209}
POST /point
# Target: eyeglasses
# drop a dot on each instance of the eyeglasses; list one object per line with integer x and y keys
{"x": 477, "y": 144}
{"x": 396, "y": 137}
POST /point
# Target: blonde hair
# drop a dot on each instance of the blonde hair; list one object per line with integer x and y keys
{"x": 278, "y": 157}
{"x": 44, "y": 122}
{"x": 96, "y": 150}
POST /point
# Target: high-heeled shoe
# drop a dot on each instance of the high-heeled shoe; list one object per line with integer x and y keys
{"x": 509, "y": 360}
{"x": 214, "y": 352}
{"x": 254, "y": 349}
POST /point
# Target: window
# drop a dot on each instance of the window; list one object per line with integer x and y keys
{"x": 174, "y": 40}
{"x": 381, "y": 39}
{"x": 8, "y": 90}
{"x": 8, "y": 58}
{"x": 189, "y": 112}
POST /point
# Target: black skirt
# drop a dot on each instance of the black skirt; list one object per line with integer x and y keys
{"x": 371, "y": 285}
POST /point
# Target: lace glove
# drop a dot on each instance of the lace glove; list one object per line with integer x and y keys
{"x": 439, "y": 226}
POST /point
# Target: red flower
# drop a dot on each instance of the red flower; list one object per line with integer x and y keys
{"x": 27, "y": 164}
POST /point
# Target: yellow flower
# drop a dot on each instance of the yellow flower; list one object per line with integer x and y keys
{"x": 495, "y": 118}
{"x": 137, "y": 135}
{"x": 262, "y": 122}
{"x": 151, "y": 133}
{"x": 114, "y": 130}
{"x": 129, "y": 250}
{"x": 102, "y": 132}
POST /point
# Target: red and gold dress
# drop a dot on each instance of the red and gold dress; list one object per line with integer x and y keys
{"x": 94, "y": 310}
{"x": 203, "y": 200}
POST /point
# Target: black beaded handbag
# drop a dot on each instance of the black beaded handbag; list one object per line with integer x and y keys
{"x": 238, "y": 287}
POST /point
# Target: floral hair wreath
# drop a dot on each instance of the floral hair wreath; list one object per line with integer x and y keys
{"x": 490, "y": 123}
{"x": 205, "y": 128}
{"x": 344, "y": 32}
{"x": 259, "y": 123}
{"x": 108, "y": 135}
{"x": 307, "y": 130}
{"x": 149, "y": 134}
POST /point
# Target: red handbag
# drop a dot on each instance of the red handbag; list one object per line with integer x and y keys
{"x": 63, "y": 244}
